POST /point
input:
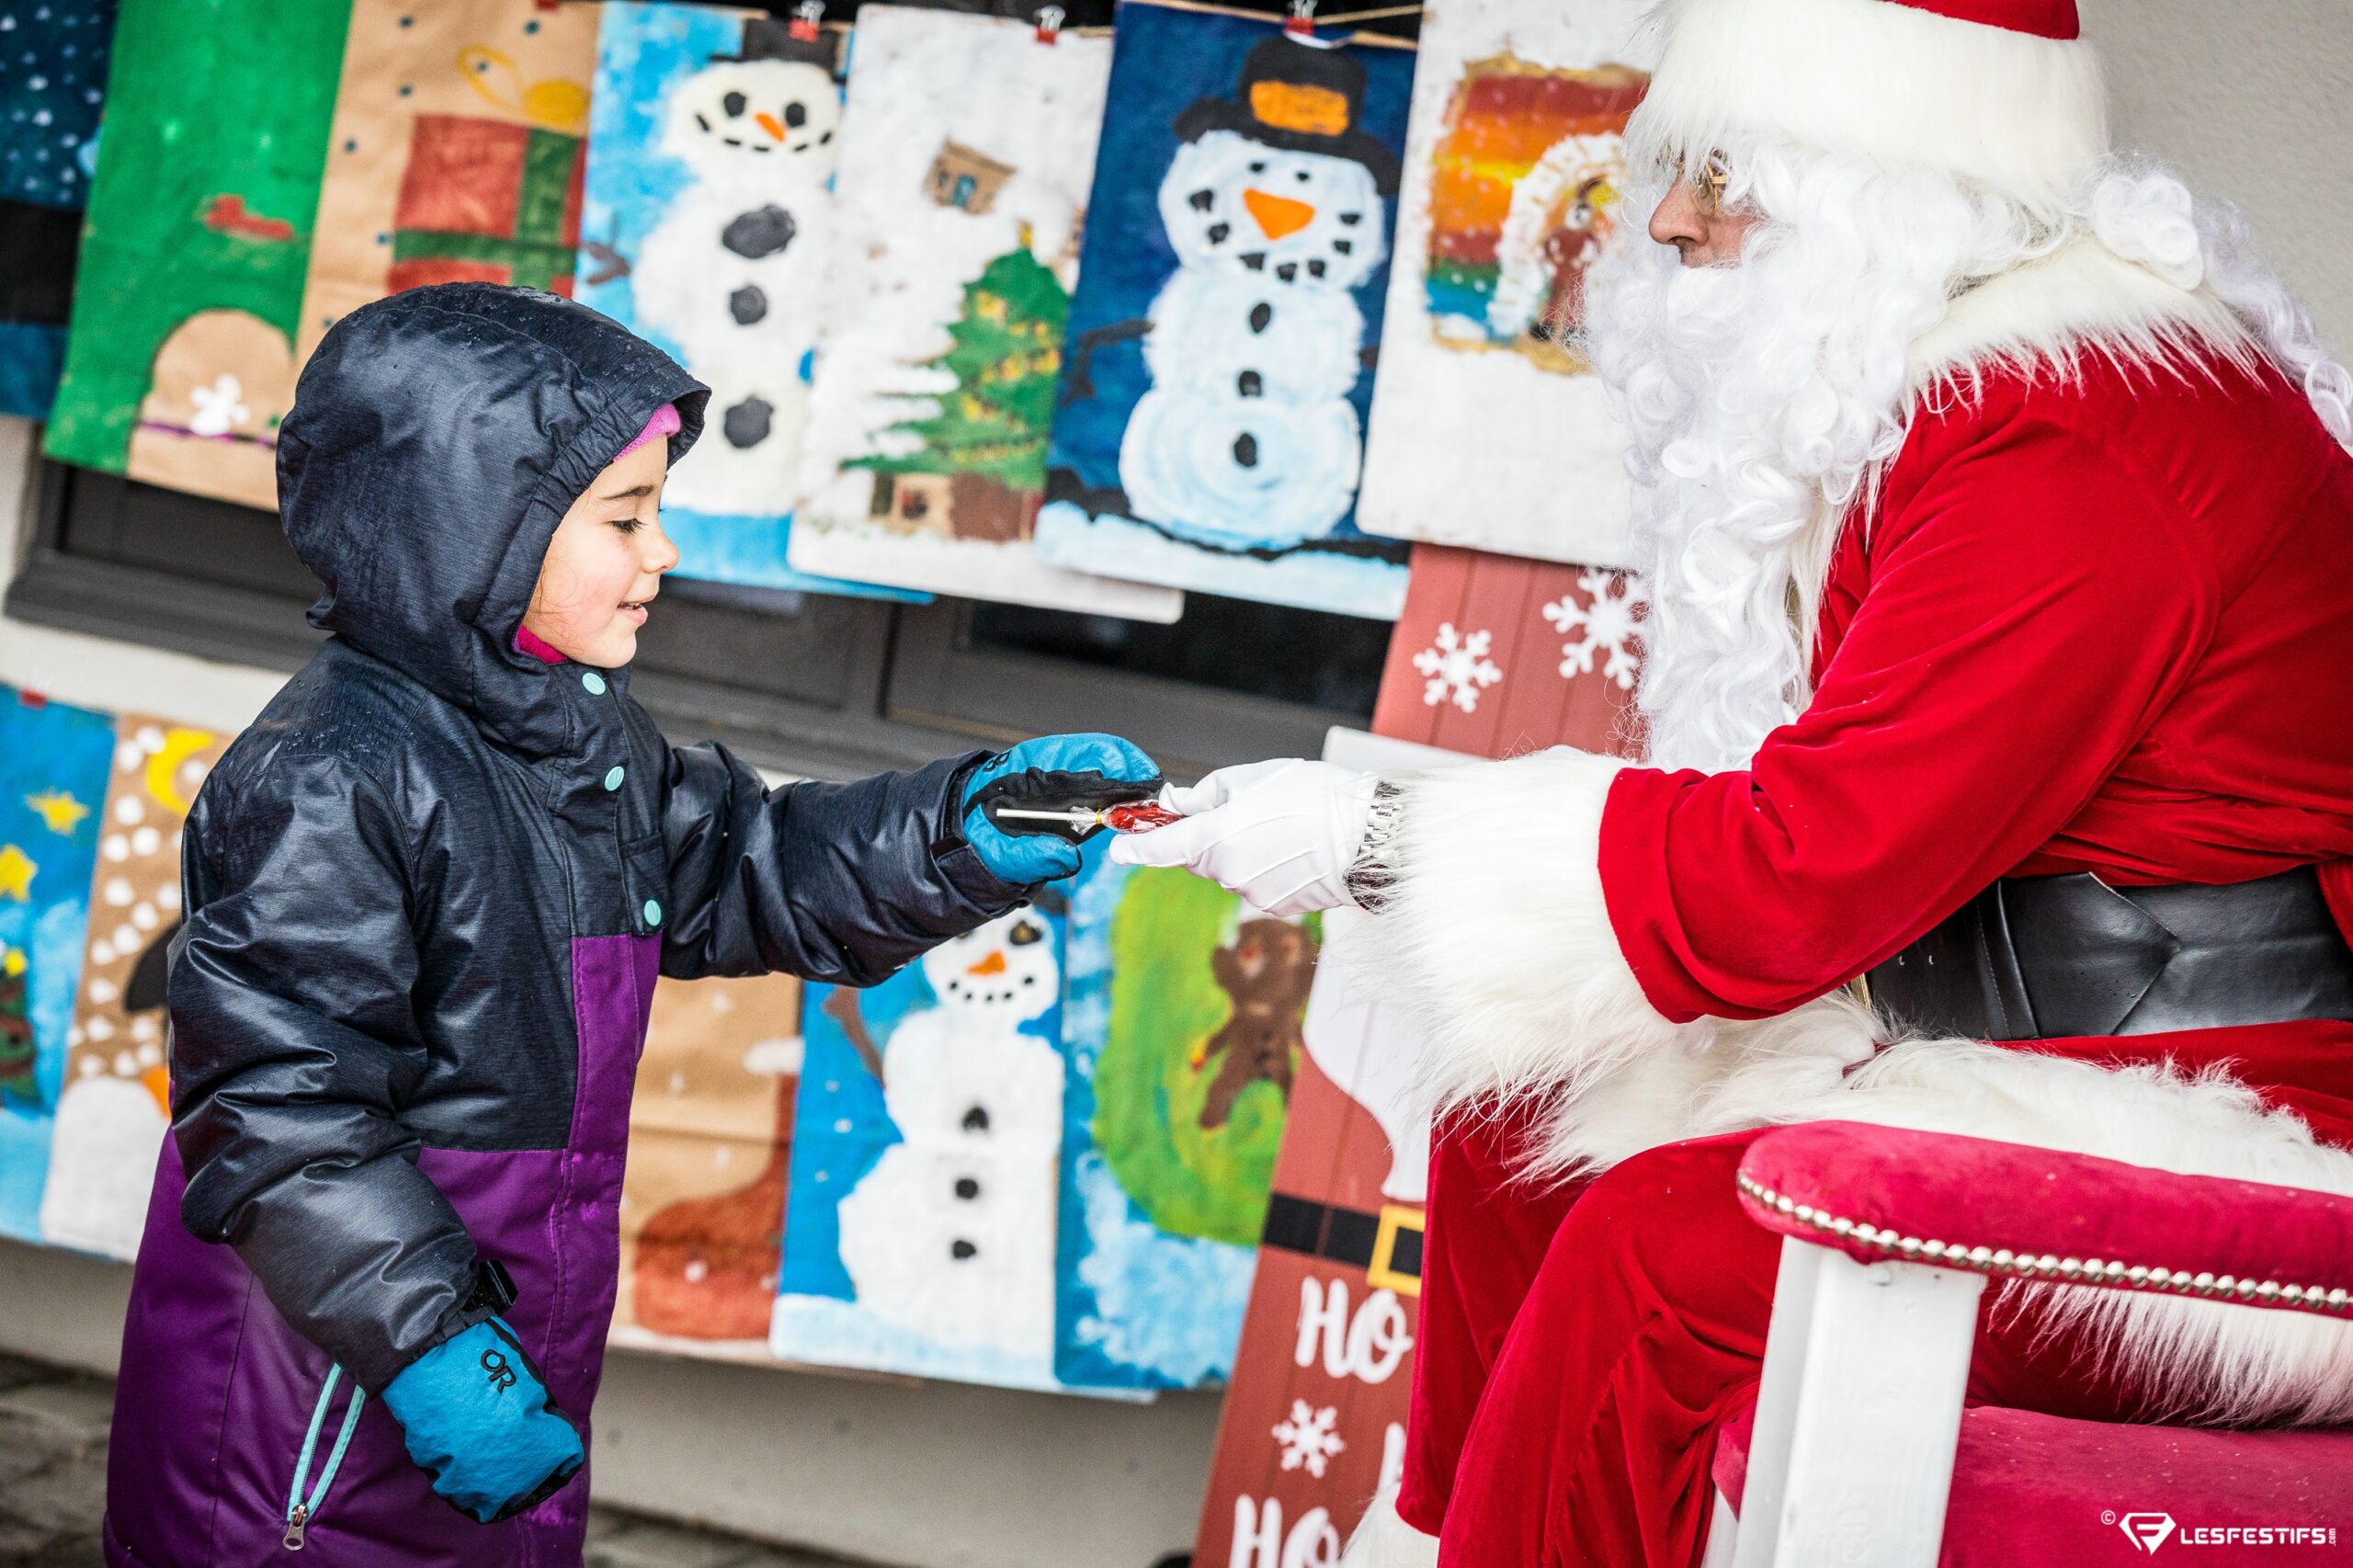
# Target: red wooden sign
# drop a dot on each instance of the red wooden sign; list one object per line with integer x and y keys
{"x": 1495, "y": 655}
{"x": 1315, "y": 1417}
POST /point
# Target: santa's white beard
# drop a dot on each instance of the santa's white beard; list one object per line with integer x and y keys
{"x": 1764, "y": 399}
{"x": 1758, "y": 398}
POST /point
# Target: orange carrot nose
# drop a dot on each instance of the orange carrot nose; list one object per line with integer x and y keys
{"x": 1278, "y": 215}
{"x": 770, "y": 124}
{"x": 993, "y": 964}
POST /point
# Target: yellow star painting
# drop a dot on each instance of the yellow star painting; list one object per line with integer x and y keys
{"x": 60, "y": 811}
{"x": 16, "y": 869}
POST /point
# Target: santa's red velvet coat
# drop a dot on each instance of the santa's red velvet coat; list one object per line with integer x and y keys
{"x": 2100, "y": 617}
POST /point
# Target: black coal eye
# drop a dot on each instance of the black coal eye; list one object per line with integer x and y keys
{"x": 1024, "y": 933}
{"x": 1300, "y": 176}
{"x": 796, "y": 114}
{"x": 1258, "y": 168}
{"x": 1351, "y": 218}
{"x": 734, "y": 104}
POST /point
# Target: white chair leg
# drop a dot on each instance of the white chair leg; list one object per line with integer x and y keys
{"x": 1722, "y": 1529}
{"x": 1858, "y": 1413}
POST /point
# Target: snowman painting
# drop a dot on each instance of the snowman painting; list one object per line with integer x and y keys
{"x": 951, "y": 1235}
{"x": 1273, "y": 205}
{"x": 730, "y": 273}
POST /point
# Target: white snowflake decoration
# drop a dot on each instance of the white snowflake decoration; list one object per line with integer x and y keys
{"x": 1308, "y": 1439}
{"x": 218, "y": 407}
{"x": 1458, "y": 668}
{"x": 1609, "y": 624}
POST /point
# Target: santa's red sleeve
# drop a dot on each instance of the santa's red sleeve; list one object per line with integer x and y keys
{"x": 2032, "y": 604}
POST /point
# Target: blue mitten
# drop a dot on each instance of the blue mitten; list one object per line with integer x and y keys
{"x": 1055, "y": 769}
{"x": 481, "y": 1423}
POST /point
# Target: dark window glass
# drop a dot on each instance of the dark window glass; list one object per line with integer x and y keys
{"x": 1331, "y": 661}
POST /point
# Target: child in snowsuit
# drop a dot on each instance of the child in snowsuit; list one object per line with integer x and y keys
{"x": 427, "y": 896}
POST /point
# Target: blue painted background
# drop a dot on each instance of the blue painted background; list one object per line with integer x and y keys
{"x": 45, "y": 747}
{"x": 1163, "y": 62}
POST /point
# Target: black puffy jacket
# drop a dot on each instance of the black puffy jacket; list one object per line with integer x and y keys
{"x": 427, "y": 894}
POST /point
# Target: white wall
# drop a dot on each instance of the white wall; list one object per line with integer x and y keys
{"x": 2253, "y": 100}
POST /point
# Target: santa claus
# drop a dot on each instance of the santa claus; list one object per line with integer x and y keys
{"x": 1997, "y": 516}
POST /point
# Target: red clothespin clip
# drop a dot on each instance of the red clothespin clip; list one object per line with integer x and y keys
{"x": 1301, "y": 23}
{"x": 803, "y": 27}
{"x": 1050, "y": 23}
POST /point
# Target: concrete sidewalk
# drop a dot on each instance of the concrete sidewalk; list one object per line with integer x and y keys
{"x": 53, "y": 1484}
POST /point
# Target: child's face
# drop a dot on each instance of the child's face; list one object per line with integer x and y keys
{"x": 605, "y": 564}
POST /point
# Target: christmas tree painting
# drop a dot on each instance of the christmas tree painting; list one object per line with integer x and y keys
{"x": 978, "y": 470}
{"x": 16, "y": 1047}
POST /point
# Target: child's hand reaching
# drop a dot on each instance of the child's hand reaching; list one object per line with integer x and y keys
{"x": 481, "y": 1423}
{"x": 1050, "y": 768}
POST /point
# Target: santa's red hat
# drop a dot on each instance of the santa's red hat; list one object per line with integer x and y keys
{"x": 2003, "y": 92}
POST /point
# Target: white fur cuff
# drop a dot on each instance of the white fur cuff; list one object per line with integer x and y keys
{"x": 1495, "y": 935}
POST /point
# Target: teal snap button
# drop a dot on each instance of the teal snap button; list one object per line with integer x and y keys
{"x": 594, "y": 682}
{"x": 653, "y": 912}
{"x": 613, "y": 777}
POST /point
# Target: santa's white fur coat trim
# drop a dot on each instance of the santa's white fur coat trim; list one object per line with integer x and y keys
{"x": 1880, "y": 82}
{"x": 1498, "y": 938}
{"x": 2083, "y": 300}
{"x": 1386, "y": 1540}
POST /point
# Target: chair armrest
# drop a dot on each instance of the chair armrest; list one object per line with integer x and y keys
{"x": 2017, "y": 1212}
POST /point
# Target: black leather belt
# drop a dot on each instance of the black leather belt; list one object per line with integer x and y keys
{"x": 2052, "y": 958}
{"x": 1386, "y": 1245}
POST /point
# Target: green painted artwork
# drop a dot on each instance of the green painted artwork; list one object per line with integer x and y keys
{"x": 1181, "y": 1022}
{"x": 180, "y": 358}
{"x": 1193, "y": 1087}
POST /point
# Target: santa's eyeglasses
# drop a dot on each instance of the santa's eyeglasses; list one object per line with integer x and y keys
{"x": 1707, "y": 182}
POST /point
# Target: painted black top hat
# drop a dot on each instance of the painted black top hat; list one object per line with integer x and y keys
{"x": 1301, "y": 95}
{"x": 771, "y": 38}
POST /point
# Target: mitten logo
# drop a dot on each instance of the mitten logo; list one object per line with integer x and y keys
{"x": 2148, "y": 1532}
{"x": 502, "y": 1377}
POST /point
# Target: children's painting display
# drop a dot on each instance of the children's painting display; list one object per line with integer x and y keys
{"x": 115, "y": 1107}
{"x": 455, "y": 154}
{"x": 54, "y": 762}
{"x": 1495, "y": 655}
{"x": 714, "y": 136}
{"x": 180, "y": 358}
{"x": 52, "y": 84}
{"x": 919, "y": 1232}
{"x": 1314, "y": 1418}
{"x": 967, "y": 147}
{"x": 1221, "y": 342}
{"x": 1489, "y": 427}
{"x": 709, "y": 1128}
{"x": 1181, "y": 1025}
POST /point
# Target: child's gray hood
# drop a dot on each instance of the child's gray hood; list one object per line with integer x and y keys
{"x": 436, "y": 438}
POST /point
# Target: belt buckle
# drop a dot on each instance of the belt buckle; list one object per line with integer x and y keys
{"x": 1381, "y": 1272}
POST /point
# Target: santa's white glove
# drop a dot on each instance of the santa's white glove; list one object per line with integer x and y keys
{"x": 1281, "y": 834}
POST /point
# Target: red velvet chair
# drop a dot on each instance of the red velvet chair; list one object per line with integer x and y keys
{"x": 1859, "y": 1451}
